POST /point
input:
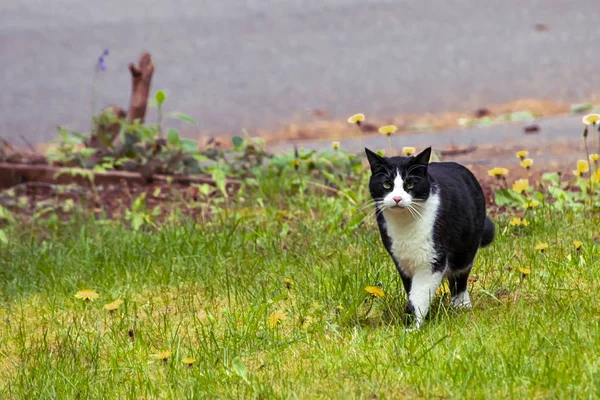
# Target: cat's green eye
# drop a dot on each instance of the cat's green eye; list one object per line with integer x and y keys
{"x": 387, "y": 185}
{"x": 409, "y": 185}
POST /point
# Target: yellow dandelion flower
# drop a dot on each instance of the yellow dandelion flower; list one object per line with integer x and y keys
{"x": 522, "y": 154}
{"x": 541, "y": 246}
{"x": 595, "y": 176}
{"x": 516, "y": 221}
{"x": 339, "y": 308}
{"x": 524, "y": 222}
{"x": 113, "y": 306}
{"x": 594, "y": 157}
{"x": 443, "y": 289}
{"x": 375, "y": 291}
{"x": 189, "y": 361}
{"x": 276, "y": 318}
{"x": 524, "y": 271}
{"x": 576, "y": 172}
{"x": 306, "y": 322}
{"x": 336, "y": 145}
{"x": 388, "y": 129}
{"x": 577, "y": 244}
{"x": 408, "y": 151}
{"x": 533, "y": 203}
{"x": 87, "y": 295}
{"x": 527, "y": 163}
{"x": 356, "y": 119}
{"x": 591, "y": 119}
{"x": 520, "y": 185}
{"x": 163, "y": 355}
{"x": 583, "y": 166}
{"x": 288, "y": 283}
{"x": 497, "y": 172}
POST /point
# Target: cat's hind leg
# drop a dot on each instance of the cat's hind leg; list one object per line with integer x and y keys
{"x": 458, "y": 282}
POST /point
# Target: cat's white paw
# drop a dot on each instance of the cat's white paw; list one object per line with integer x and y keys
{"x": 461, "y": 300}
{"x": 418, "y": 324}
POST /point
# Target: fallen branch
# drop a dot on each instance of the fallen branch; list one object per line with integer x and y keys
{"x": 15, "y": 174}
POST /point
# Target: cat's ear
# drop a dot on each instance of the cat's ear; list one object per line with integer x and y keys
{"x": 423, "y": 157}
{"x": 374, "y": 159}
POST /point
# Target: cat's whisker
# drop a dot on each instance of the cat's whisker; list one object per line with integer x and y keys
{"x": 369, "y": 205}
{"x": 412, "y": 213}
{"x": 417, "y": 213}
{"x": 379, "y": 211}
{"x": 418, "y": 216}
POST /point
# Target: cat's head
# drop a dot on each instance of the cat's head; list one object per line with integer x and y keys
{"x": 399, "y": 182}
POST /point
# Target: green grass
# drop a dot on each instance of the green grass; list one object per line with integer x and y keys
{"x": 207, "y": 291}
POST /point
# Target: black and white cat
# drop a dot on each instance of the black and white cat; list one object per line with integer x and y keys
{"x": 432, "y": 222}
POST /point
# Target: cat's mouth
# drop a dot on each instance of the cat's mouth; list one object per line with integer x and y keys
{"x": 396, "y": 207}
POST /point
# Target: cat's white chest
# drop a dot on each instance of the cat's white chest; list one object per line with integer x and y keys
{"x": 412, "y": 239}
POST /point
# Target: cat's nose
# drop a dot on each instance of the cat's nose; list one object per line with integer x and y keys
{"x": 397, "y": 199}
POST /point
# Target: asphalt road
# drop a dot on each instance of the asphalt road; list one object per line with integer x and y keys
{"x": 258, "y": 63}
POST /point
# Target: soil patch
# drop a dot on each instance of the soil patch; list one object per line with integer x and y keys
{"x": 322, "y": 127}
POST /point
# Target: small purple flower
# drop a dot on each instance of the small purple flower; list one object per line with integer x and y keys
{"x": 101, "y": 62}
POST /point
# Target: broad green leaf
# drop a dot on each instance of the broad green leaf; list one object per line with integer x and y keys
{"x": 237, "y": 141}
{"x": 173, "y": 137}
{"x": 182, "y": 117}
{"x": 201, "y": 157}
{"x": 189, "y": 146}
{"x": 508, "y": 197}
{"x": 559, "y": 194}
{"x": 551, "y": 177}
{"x": 205, "y": 189}
{"x": 218, "y": 176}
{"x": 160, "y": 97}
{"x": 240, "y": 369}
{"x": 137, "y": 221}
{"x": 3, "y": 237}
{"x": 5, "y": 214}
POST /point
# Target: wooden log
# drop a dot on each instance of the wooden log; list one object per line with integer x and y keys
{"x": 15, "y": 174}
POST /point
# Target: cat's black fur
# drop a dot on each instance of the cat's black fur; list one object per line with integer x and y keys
{"x": 461, "y": 226}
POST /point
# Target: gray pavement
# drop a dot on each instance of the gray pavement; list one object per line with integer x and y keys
{"x": 233, "y": 64}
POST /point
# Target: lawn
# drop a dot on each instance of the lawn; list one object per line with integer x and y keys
{"x": 265, "y": 298}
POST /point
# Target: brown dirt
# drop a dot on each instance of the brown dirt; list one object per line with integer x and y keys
{"x": 324, "y": 128}
{"x": 106, "y": 201}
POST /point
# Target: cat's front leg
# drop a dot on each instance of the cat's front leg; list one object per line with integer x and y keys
{"x": 424, "y": 284}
